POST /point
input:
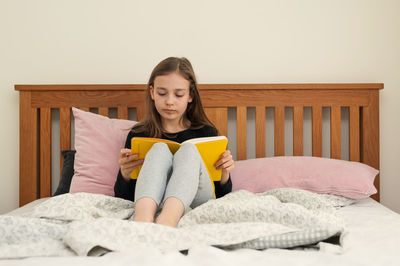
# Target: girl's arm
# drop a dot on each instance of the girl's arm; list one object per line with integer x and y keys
{"x": 125, "y": 187}
{"x": 225, "y": 163}
{"x": 222, "y": 190}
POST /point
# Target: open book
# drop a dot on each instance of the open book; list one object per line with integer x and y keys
{"x": 210, "y": 149}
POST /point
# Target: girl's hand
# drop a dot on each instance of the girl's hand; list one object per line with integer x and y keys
{"x": 225, "y": 163}
{"x": 127, "y": 162}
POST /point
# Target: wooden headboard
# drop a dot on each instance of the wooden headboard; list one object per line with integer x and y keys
{"x": 37, "y": 101}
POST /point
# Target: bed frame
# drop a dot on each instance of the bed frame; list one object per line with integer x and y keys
{"x": 37, "y": 101}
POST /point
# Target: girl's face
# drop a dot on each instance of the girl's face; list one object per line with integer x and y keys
{"x": 171, "y": 95}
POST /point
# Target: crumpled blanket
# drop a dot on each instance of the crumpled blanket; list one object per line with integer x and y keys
{"x": 93, "y": 224}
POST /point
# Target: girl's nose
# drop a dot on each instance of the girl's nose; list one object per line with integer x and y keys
{"x": 170, "y": 100}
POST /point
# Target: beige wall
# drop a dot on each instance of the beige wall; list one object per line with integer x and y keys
{"x": 93, "y": 41}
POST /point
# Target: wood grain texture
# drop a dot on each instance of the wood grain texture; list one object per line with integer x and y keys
{"x": 279, "y": 131}
{"x": 370, "y": 137}
{"x": 65, "y": 131}
{"x": 241, "y": 132}
{"x": 354, "y": 133}
{"x": 45, "y": 152}
{"x": 55, "y": 99}
{"x": 220, "y": 98}
{"x": 122, "y": 112}
{"x": 260, "y": 132}
{"x": 140, "y": 112}
{"x": 86, "y": 109}
{"x": 335, "y": 129}
{"x": 103, "y": 111}
{"x": 28, "y": 150}
{"x": 317, "y": 130}
{"x": 298, "y": 130}
{"x": 219, "y": 117}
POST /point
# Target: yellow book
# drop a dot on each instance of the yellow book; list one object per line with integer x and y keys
{"x": 210, "y": 149}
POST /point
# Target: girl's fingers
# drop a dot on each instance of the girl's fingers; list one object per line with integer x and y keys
{"x": 131, "y": 165}
{"x": 124, "y": 152}
{"x": 227, "y": 166}
{"x": 223, "y": 160}
{"x": 127, "y": 158}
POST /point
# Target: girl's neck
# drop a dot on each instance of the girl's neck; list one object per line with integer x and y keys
{"x": 175, "y": 127}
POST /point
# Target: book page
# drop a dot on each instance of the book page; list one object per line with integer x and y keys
{"x": 204, "y": 139}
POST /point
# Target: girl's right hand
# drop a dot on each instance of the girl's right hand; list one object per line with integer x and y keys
{"x": 128, "y": 162}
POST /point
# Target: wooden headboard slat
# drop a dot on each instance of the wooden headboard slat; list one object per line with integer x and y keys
{"x": 65, "y": 131}
{"x": 279, "y": 130}
{"x": 219, "y": 117}
{"x": 298, "y": 130}
{"x": 354, "y": 133}
{"x": 260, "y": 132}
{"x": 122, "y": 112}
{"x": 241, "y": 120}
{"x": 317, "y": 130}
{"x": 335, "y": 129}
{"x": 37, "y": 101}
{"x": 45, "y": 152}
{"x": 104, "y": 111}
{"x": 140, "y": 112}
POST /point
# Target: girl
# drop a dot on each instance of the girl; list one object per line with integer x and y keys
{"x": 169, "y": 182}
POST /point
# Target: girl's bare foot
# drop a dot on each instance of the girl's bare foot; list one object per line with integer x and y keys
{"x": 145, "y": 208}
{"x": 171, "y": 212}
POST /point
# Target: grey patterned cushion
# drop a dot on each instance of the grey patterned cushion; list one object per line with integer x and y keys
{"x": 67, "y": 172}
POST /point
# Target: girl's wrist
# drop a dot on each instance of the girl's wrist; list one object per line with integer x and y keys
{"x": 224, "y": 178}
{"x": 125, "y": 177}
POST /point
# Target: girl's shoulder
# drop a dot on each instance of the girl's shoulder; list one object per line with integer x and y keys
{"x": 138, "y": 131}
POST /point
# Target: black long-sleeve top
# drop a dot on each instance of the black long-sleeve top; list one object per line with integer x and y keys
{"x": 126, "y": 190}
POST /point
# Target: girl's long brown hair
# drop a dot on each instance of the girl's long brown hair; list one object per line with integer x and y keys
{"x": 195, "y": 115}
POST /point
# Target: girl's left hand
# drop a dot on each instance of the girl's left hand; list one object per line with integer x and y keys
{"x": 225, "y": 163}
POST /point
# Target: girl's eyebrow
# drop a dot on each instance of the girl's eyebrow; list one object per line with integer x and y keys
{"x": 177, "y": 89}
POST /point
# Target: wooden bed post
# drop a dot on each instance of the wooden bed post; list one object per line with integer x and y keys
{"x": 28, "y": 150}
{"x": 370, "y": 136}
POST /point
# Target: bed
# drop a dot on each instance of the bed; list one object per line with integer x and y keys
{"x": 362, "y": 215}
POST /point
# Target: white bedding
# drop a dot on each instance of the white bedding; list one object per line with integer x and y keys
{"x": 372, "y": 238}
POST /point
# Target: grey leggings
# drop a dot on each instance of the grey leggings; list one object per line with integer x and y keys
{"x": 182, "y": 175}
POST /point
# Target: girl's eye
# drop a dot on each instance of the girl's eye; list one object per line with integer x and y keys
{"x": 162, "y": 94}
{"x": 177, "y": 95}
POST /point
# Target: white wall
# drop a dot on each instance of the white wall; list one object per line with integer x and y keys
{"x": 265, "y": 41}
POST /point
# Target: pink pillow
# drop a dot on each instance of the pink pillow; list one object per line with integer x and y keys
{"x": 321, "y": 175}
{"x": 98, "y": 140}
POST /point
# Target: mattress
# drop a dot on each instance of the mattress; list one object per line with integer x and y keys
{"x": 372, "y": 238}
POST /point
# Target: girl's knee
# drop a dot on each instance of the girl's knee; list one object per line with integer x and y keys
{"x": 160, "y": 145}
{"x": 160, "y": 148}
{"x": 188, "y": 149}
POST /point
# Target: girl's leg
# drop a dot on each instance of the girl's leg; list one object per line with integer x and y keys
{"x": 189, "y": 185}
{"x": 151, "y": 182}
